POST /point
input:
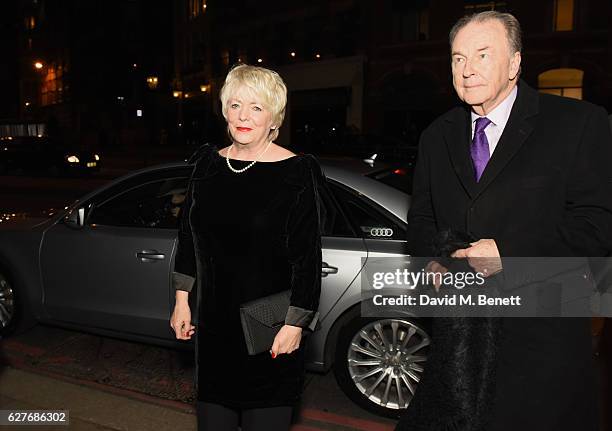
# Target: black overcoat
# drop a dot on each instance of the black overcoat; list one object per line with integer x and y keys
{"x": 546, "y": 191}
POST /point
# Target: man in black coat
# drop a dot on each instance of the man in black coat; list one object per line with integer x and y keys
{"x": 527, "y": 175}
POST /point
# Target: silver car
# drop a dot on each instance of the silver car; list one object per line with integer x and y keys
{"x": 103, "y": 265}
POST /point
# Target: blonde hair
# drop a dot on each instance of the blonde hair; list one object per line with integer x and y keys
{"x": 265, "y": 84}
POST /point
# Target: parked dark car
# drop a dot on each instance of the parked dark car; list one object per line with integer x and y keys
{"x": 42, "y": 155}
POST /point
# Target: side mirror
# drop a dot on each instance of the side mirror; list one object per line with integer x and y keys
{"x": 76, "y": 218}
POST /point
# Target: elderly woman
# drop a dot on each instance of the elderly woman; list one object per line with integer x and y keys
{"x": 249, "y": 228}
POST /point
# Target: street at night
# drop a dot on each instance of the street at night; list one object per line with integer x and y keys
{"x": 267, "y": 215}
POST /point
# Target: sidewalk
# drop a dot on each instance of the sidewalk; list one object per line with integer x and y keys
{"x": 89, "y": 409}
{"x": 95, "y": 407}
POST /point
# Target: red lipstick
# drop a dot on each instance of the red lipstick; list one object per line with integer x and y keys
{"x": 243, "y": 129}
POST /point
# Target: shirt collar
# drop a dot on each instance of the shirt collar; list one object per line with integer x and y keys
{"x": 499, "y": 116}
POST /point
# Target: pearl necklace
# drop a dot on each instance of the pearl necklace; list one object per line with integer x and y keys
{"x": 239, "y": 171}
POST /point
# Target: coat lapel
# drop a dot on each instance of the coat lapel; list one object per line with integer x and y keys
{"x": 457, "y": 137}
{"x": 515, "y": 134}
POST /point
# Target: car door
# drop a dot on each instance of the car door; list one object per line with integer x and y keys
{"x": 383, "y": 233}
{"x": 343, "y": 252}
{"x": 113, "y": 272}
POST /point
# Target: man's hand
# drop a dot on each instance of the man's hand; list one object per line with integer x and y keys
{"x": 436, "y": 268}
{"x": 483, "y": 256}
{"x": 286, "y": 341}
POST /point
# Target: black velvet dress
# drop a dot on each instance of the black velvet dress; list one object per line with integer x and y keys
{"x": 245, "y": 236}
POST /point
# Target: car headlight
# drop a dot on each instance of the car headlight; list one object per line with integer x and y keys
{"x": 72, "y": 159}
{"x": 96, "y": 157}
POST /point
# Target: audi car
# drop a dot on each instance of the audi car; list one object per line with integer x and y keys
{"x": 103, "y": 265}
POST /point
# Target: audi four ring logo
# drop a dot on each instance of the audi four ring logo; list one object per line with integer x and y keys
{"x": 381, "y": 231}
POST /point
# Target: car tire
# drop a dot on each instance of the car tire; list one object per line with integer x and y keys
{"x": 14, "y": 315}
{"x": 370, "y": 370}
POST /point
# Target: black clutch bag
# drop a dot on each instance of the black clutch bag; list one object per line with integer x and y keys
{"x": 261, "y": 320}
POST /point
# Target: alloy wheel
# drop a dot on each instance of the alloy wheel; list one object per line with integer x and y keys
{"x": 386, "y": 361}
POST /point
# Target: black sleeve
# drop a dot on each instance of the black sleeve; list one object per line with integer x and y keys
{"x": 421, "y": 221}
{"x": 587, "y": 225}
{"x": 304, "y": 246}
{"x": 184, "y": 273}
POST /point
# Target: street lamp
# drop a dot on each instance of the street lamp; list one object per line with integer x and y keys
{"x": 38, "y": 65}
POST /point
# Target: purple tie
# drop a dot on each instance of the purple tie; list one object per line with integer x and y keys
{"x": 480, "y": 147}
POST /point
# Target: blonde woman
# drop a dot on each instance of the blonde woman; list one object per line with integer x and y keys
{"x": 249, "y": 228}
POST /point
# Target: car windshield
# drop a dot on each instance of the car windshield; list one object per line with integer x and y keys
{"x": 398, "y": 178}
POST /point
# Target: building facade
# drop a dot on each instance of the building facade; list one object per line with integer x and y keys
{"x": 97, "y": 73}
{"x": 122, "y": 73}
{"x": 377, "y": 68}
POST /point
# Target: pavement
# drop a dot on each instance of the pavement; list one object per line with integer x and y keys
{"x": 89, "y": 408}
{"x": 111, "y": 384}
{"x": 98, "y": 407}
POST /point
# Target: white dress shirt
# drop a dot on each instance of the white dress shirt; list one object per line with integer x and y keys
{"x": 499, "y": 117}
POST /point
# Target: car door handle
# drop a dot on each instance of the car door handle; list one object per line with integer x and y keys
{"x": 150, "y": 255}
{"x": 327, "y": 269}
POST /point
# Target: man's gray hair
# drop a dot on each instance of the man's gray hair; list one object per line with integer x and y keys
{"x": 510, "y": 23}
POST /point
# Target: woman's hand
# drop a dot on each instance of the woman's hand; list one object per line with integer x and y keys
{"x": 180, "y": 320}
{"x": 286, "y": 341}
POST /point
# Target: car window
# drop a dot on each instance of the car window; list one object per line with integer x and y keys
{"x": 398, "y": 178}
{"x": 334, "y": 221}
{"x": 367, "y": 220}
{"x": 155, "y": 204}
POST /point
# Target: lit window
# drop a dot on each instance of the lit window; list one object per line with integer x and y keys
{"x": 481, "y": 6}
{"x": 196, "y": 8}
{"x": 225, "y": 57}
{"x": 562, "y": 82}
{"x": 152, "y": 82}
{"x": 30, "y": 23}
{"x": 52, "y": 88}
{"x": 563, "y": 19}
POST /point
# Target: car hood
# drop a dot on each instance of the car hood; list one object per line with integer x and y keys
{"x": 25, "y": 220}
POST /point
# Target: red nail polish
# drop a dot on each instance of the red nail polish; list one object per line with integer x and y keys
{"x": 273, "y": 355}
